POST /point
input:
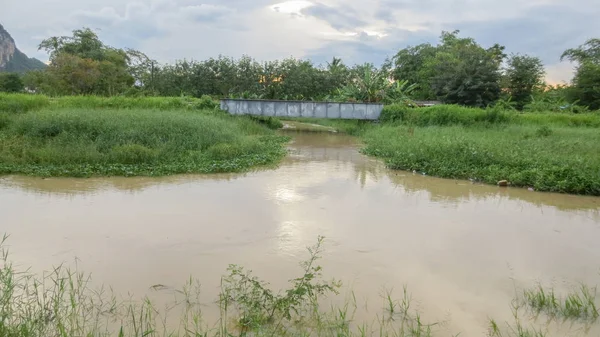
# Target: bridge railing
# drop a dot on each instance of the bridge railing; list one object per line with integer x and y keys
{"x": 273, "y": 108}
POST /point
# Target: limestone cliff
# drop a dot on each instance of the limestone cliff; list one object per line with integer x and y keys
{"x": 11, "y": 58}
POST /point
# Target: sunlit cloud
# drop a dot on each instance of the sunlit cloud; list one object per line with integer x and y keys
{"x": 292, "y": 7}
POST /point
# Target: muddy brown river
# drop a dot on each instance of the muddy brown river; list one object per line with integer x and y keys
{"x": 461, "y": 248}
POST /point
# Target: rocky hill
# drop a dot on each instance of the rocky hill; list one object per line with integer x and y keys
{"x": 12, "y": 59}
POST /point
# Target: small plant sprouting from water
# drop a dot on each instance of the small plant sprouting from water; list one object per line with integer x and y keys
{"x": 579, "y": 304}
{"x": 258, "y": 306}
{"x": 516, "y": 329}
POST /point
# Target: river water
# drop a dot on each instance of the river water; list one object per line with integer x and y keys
{"x": 460, "y": 248}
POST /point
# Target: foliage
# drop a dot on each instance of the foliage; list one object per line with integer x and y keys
{"x": 565, "y": 160}
{"x": 524, "y": 74}
{"x": 11, "y": 82}
{"x": 258, "y": 306}
{"x": 410, "y": 66}
{"x": 589, "y": 51}
{"x": 82, "y": 64}
{"x": 586, "y": 83}
{"x": 84, "y": 142}
{"x": 457, "y": 70}
{"x": 270, "y": 122}
{"x": 551, "y": 99}
{"x": 464, "y": 73}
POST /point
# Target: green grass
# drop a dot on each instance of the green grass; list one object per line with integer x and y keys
{"x": 546, "y": 159}
{"x": 85, "y": 142}
{"x": 18, "y": 103}
{"x": 579, "y": 304}
{"x": 452, "y": 115}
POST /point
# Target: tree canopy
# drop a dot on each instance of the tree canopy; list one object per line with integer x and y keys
{"x": 456, "y": 70}
{"x": 586, "y": 83}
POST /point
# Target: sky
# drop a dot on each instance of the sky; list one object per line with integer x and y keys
{"x": 356, "y": 30}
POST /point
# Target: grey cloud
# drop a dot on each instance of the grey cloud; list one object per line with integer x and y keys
{"x": 370, "y": 49}
{"x": 339, "y": 18}
{"x": 543, "y": 31}
{"x": 205, "y": 12}
{"x": 544, "y": 28}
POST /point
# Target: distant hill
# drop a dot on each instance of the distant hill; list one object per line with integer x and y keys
{"x": 12, "y": 59}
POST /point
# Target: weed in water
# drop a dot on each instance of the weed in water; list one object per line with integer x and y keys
{"x": 579, "y": 304}
{"x": 63, "y": 304}
{"x": 514, "y": 329}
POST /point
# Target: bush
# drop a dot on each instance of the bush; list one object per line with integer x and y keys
{"x": 11, "y": 82}
{"x": 206, "y": 103}
{"x": 393, "y": 113}
{"x": 270, "y": 122}
{"x": 543, "y": 131}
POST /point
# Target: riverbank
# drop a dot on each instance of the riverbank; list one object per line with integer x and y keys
{"x": 82, "y": 142}
{"x": 550, "y": 152}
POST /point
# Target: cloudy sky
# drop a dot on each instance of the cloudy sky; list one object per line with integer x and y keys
{"x": 355, "y": 30}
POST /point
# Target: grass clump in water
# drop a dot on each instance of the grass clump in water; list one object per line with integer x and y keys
{"x": 579, "y": 304}
{"x": 83, "y": 142}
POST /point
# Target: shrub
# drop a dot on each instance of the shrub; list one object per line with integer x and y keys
{"x": 393, "y": 113}
{"x": 270, "y": 122}
{"x": 543, "y": 131}
{"x": 206, "y": 103}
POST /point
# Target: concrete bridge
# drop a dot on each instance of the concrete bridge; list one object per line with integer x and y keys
{"x": 368, "y": 111}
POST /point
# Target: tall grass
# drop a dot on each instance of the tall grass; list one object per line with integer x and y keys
{"x": 83, "y": 142}
{"x": 546, "y": 159}
{"x": 18, "y": 103}
{"x": 452, "y": 115}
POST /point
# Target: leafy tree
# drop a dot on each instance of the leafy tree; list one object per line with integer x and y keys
{"x": 83, "y": 64}
{"x": 457, "y": 70}
{"x": 589, "y": 51}
{"x": 524, "y": 74}
{"x": 586, "y": 82}
{"x": 409, "y": 65}
{"x": 462, "y": 72}
{"x": 586, "y": 85}
{"x": 11, "y": 82}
